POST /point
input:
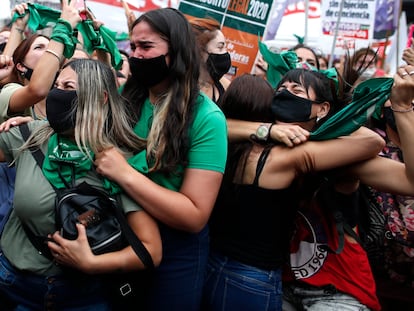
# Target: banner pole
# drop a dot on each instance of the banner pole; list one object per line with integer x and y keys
{"x": 331, "y": 58}
{"x": 305, "y": 38}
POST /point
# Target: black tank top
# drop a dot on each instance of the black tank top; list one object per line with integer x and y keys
{"x": 254, "y": 225}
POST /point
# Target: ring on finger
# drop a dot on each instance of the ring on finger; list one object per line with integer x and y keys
{"x": 404, "y": 74}
{"x": 411, "y": 72}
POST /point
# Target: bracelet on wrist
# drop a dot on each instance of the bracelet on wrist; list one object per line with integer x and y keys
{"x": 51, "y": 52}
{"x": 19, "y": 30}
{"x": 402, "y": 110}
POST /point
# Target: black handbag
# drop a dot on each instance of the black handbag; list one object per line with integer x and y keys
{"x": 96, "y": 211}
{"x": 106, "y": 228}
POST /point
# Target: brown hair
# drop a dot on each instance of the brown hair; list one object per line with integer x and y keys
{"x": 204, "y": 30}
{"x": 362, "y": 54}
{"x": 19, "y": 55}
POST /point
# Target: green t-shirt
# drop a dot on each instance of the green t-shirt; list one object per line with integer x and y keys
{"x": 5, "y": 95}
{"x": 34, "y": 200}
{"x": 208, "y": 136}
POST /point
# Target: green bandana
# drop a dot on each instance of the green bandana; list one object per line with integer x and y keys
{"x": 40, "y": 16}
{"x": 63, "y": 154}
{"x": 367, "y": 101}
{"x": 278, "y": 63}
{"x": 103, "y": 39}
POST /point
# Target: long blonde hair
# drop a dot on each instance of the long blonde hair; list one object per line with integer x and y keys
{"x": 102, "y": 118}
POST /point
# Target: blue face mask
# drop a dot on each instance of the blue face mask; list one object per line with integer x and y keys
{"x": 288, "y": 107}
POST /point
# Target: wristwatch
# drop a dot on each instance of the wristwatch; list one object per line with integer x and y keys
{"x": 263, "y": 132}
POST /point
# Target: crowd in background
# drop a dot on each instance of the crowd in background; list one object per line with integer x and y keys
{"x": 234, "y": 185}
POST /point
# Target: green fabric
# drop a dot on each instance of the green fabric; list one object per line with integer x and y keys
{"x": 299, "y": 38}
{"x": 332, "y": 74}
{"x": 102, "y": 39}
{"x": 368, "y": 99}
{"x": 63, "y": 33}
{"x": 63, "y": 154}
{"x": 208, "y": 142}
{"x": 40, "y": 16}
{"x": 138, "y": 162}
{"x": 123, "y": 36}
{"x": 278, "y": 63}
{"x": 34, "y": 204}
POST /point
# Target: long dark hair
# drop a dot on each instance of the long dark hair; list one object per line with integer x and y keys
{"x": 247, "y": 98}
{"x": 169, "y": 145}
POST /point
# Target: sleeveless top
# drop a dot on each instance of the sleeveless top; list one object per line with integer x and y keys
{"x": 254, "y": 225}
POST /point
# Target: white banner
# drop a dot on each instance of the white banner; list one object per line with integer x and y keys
{"x": 112, "y": 14}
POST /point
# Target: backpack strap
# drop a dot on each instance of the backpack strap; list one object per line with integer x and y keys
{"x": 335, "y": 202}
{"x": 132, "y": 238}
{"x": 36, "y": 152}
{"x": 39, "y": 242}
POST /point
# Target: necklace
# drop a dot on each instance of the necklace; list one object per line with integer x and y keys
{"x": 39, "y": 112}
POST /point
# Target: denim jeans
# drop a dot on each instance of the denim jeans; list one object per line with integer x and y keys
{"x": 231, "y": 285}
{"x": 178, "y": 281}
{"x": 30, "y": 292}
{"x": 315, "y": 298}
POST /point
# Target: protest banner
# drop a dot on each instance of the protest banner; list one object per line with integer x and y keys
{"x": 243, "y": 24}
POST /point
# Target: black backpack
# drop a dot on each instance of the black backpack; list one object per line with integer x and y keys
{"x": 96, "y": 209}
{"x": 359, "y": 208}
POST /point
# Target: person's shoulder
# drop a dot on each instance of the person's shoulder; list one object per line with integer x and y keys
{"x": 32, "y": 125}
{"x": 9, "y": 87}
{"x": 225, "y": 82}
{"x": 206, "y": 104}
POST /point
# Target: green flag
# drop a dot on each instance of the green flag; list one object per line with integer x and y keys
{"x": 368, "y": 99}
{"x": 278, "y": 63}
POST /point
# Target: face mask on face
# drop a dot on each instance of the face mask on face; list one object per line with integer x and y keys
{"x": 28, "y": 73}
{"x": 60, "y": 109}
{"x": 367, "y": 73}
{"x": 389, "y": 118}
{"x": 149, "y": 71}
{"x": 2, "y": 46}
{"x": 287, "y": 107}
{"x": 306, "y": 65}
{"x": 218, "y": 65}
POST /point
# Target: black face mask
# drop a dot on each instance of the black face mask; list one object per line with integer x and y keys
{"x": 287, "y": 107}
{"x": 28, "y": 73}
{"x": 389, "y": 118}
{"x": 218, "y": 65}
{"x": 60, "y": 109}
{"x": 2, "y": 46}
{"x": 149, "y": 71}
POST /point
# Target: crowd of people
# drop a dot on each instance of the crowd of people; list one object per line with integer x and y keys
{"x": 229, "y": 183}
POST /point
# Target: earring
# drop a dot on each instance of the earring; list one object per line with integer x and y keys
{"x": 318, "y": 119}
